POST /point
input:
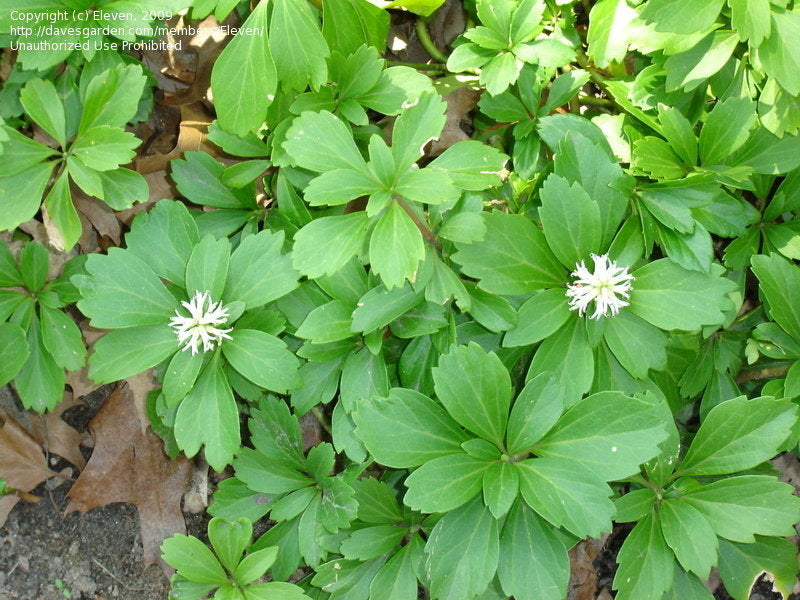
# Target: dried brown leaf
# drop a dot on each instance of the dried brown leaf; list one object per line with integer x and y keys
{"x": 583, "y": 578}
{"x": 128, "y": 464}
{"x": 56, "y": 436}
{"x": 99, "y": 215}
{"x": 22, "y": 462}
{"x": 195, "y": 120}
{"x": 459, "y": 104}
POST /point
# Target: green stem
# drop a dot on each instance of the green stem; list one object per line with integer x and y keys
{"x": 323, "y": 419}
{"x": 592, "y": 101}
{"x": 421, "y": 27}
{"x": 419, "y": 66}
{"x": 427, "y": 232}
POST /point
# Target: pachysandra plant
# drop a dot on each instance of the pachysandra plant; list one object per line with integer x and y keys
{"x": 711, "y": 505}
{"x": 588, "y": 298}
{"x": 90, "y": 145}
{"x": 207, "y": 325}
{"x": 507, "y": 39}
{"x": 40, "y": 341}
{"x": 476, "y": 455}
{"x": 233, "y": 570}
{"x": 393, "y": 222}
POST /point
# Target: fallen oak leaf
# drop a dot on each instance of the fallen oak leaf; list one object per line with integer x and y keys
{"x": 191, "y": 136}
{"x": 22, "y": 462}
{"x": 128, "y": 464}
{"x": 56, "y": 436}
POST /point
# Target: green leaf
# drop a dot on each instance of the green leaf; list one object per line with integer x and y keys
{"x": 180, "y": 376}
{"x": 10, "y": 275}
{"x": 328, "y": 323}
{"x": 40, "y": 100}
{"x": 462, "y": 552}
{"x": 751, "y": 19}
{"x": 396, "y": 580}
{"x": 379, "y": 307}
{"x": 500, "y": 72}
{"x": 645, "y": 562}
{"x": 244, "y": 78}
{"x": 370, "y": 542}
{"x": 415, "y": 127}
{"x": 21, "y": 194}
{"x": 739, "y": 507}
{"x": 426, "y": 186}
{"x": 62, "y": 338}
{"x": 34, "y": 262}
{"x": 608, "y": 31}
{"x": 536, "y": 409}
{"x": 339, "y": 187}
{"x": 570, "y": 219}
{"x": 539, "y": 316}
{"x": 254, "y": 565}
{"x": 567, "y": 494}
{"x": 322, "y": 142}
{"x": 671, "y": 297}
{"x": 229, "y": 539}
{"x": 348, "y": 24}
{"x": 690, "y": 68}
{"x": 263, "y": 359}
{"x": 687, "y": 587}
{"x": 471, "y": 165}
{"x": 636, "y": 344}
{"x": 208, "y": 416}
{"x": 259, "y": 272}
{"x": 125, "y": 352}
{"x": 326, "y": 244}
{"x": 475, "y": 388}
{"x": 689, "y": 535}
{"x": 500, "y": 487}
{"x": 164, "y": 238}
{"x": 14, "y": 351}
{"x": 297, "y": 64}
{"x": 727, "y": 128}
{"x": 103, "y": 148}
{"x": 741, "y": 565}
{"x": 679, "y": 133}
{"x": 781, "y": 60}
{"x": 198, "y": 177}
{"x": 779, "y": 279}
{"x": 739, "y": 434}
{"x": 40, "y": 381}
{"x": 406, "y": 429}
{"x": 123, "y": 292}
{"x": 568, "y": 355}
{"x": 609, "y": 432}
{"x": 192, "y": 559}
{"x": 207, "y": 267}
{"x": 534, "y": 564}
{"x": 655, "y": 158}
{"x": 513, "y": 258}
{"x": 687, "y": 16}
{"x": 468, "y": 56}
{"x": 62, "y": 213}
{"x": 112, "y": 98}
{"x": 395, "y": 247}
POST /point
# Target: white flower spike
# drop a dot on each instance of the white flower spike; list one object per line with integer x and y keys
{"x": 200, "y": 327}
{"x": 608, "y": 287}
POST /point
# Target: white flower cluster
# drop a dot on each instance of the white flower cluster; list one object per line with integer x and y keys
{"x": 608, "y": 287}
{"x": 200, "y": 327}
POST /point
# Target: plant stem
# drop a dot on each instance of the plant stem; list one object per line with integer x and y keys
{"x": 426, "y": 231}
{"x": 756, "y": 374}
{"x": 421, "y": 27}
{"x": 592, "y": 101}
{"x": 418, "y": 66}
{"x": 322, "y": 418}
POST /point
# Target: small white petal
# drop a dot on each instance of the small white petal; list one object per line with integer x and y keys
{"x": 608, "y": 287}
{"x": 200, "y": 327}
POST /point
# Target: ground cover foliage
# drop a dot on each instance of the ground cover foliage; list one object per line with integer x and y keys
{"x": 584, "y": 312}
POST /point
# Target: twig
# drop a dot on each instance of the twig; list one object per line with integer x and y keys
{"x": 117, "y": 579}
{"x": 421, "y": 27}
